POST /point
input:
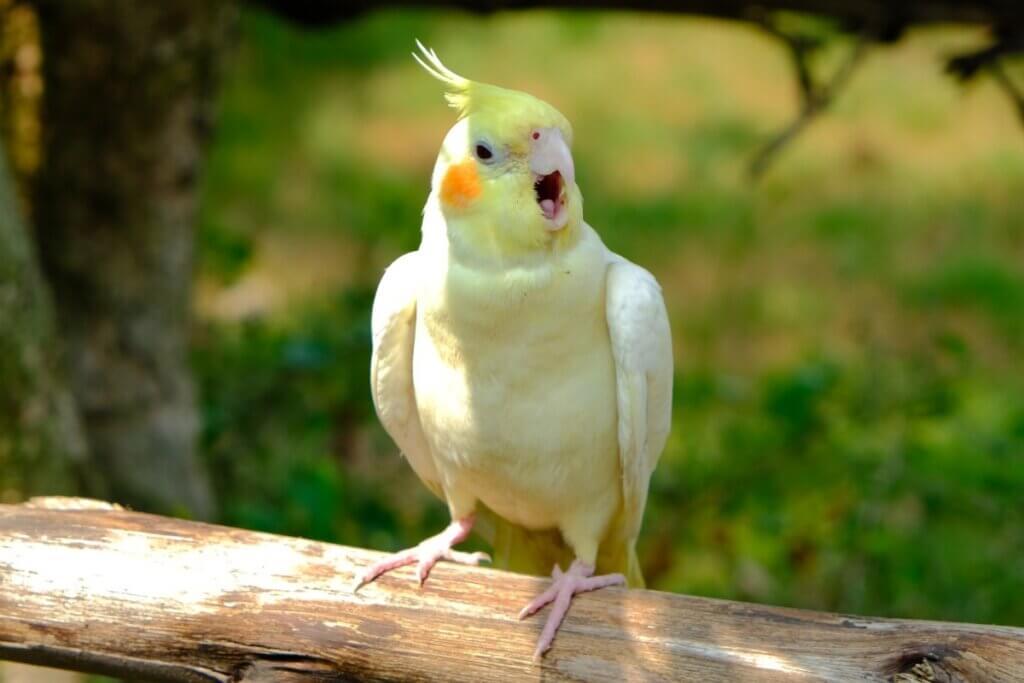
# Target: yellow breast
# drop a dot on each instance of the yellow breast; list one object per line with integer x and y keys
{"x": 515, "y": 383}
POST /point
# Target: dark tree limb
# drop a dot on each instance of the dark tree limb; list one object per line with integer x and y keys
{"x": 1007, "y": 42}
{"x": 852, "y": 14}
{"x": 1008, "y": 39}
{"x": 877, "y": 20}
{"x": 814, "y": 98}
{"x": 1015, "y": 92}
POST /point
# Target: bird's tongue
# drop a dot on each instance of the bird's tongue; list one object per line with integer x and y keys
{"x": 547, "y": 206}
{"x": 549, "y": 194}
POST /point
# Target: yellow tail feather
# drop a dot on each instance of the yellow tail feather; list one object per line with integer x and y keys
{"x": 517, "y": 549}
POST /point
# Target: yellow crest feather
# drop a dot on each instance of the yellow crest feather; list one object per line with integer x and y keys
{"x": 468, "y": 97}
{"x": 457, "y": 93}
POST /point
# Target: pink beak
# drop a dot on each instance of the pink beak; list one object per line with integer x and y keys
{"x": 552, "y": 165}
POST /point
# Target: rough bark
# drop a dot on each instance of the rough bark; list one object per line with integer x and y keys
{"x": 127, "y": 110}
{"x": 41, "y": 442}
{"x": 92, "y": 588}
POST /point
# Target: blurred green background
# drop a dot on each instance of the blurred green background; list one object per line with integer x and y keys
{"x": 849, "y": 397}
{"x": 849, "y": 414}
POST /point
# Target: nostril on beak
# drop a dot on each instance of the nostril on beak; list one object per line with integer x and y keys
{"x": 550, "y": 153}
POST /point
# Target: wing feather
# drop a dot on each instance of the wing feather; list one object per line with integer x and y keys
{"x": 394, "y": 331}
{"x": 642, "y": 346}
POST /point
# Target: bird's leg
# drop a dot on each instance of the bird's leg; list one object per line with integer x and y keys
{"x": 579, "y": 579}
{"x": 427, "y": 553}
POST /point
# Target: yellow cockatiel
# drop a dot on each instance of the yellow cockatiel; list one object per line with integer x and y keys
{"x": 523, "y": 368}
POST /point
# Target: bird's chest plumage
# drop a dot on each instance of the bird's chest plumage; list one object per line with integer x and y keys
{"x": 515, "y": 384}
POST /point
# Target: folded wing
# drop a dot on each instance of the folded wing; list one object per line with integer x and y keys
{"x": 642, "y": 346}
{"x": 394, "y": 331}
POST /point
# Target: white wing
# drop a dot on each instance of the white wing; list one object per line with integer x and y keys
{"x": 642, "y": 346}
{"x": 394, "y": 331}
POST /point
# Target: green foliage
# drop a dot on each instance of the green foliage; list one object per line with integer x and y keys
{"x": 849, "y": 415}
{"x": 987, "y": 285}
{"x": 878, "y": 488}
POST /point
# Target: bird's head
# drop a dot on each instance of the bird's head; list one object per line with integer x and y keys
{"x": 504, "y": 179}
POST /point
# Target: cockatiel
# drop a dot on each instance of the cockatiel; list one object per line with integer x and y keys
{"x": 523, "y": 368}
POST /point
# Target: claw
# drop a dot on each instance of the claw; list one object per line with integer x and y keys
{"x": 579, "y": 579}
{"x": 545, "y": 597}
{"x": 426, "y": 555}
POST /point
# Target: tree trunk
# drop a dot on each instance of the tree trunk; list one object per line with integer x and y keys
{"x": 41, "y": 442}
{"x": 127, "y": 110}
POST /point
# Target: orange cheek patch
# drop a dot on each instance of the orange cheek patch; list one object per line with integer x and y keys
{"x": 461, "y": 185}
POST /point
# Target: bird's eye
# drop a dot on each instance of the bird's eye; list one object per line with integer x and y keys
{"x": 484, "y": 152}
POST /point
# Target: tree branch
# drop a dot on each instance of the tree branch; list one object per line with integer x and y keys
{"x": 813, "y": 98}
{"x": 99, "y": 589}
{"x": 882, "y": 21}
{"x": 851, "y": 13}
{"x": 1003, "y": 79}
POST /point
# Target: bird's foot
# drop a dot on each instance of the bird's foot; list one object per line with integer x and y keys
{"x": 427, "y": 554}
{"x": 579, "y": 579}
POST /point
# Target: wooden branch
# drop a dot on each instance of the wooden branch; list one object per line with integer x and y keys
{"x": 99, "y": 589}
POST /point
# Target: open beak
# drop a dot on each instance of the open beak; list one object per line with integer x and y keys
{"x": 553, "y": 171}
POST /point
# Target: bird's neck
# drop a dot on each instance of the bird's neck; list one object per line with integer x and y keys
{"x": 486, "y": 242}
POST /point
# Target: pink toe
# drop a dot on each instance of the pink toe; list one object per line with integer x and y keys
{"x": 424, "y": 566}
{"x": 595, "y": 582}
{"x": 400, "y": 560}
{"x": 558, "y": 611}
{"x": 427, "y": 553}
{"x": 387, "y": 564}
{"x": 466, "y": 558}
{"x": 577, "y": 580}
{"x": 539, "y": 601}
